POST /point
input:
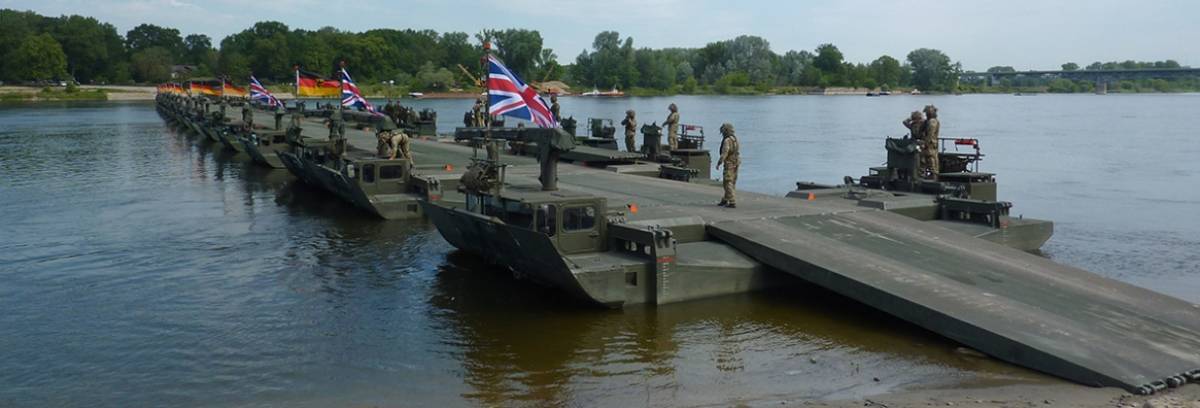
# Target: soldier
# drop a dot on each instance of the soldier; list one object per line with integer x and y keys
{"x": 247, "y": 116}
{"x": 630, "y": 130}
{"x": 337, "y": 131}
{"x": 400, "y": 147}
{"x": 477, "y": 112}
{"x": 383, "y": 145}
{"x": 280, "y": 110}
{"x": 554, "y": 107}
{"x": 732, "y": 159}
{"x": 672, "y": 125}
{"x": 914, "y": 123}
{"x": 930, "y": 131}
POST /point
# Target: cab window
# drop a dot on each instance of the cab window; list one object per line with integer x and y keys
{"x": 368, "y": 173}
{"x": 547, "y": 219}
{"x": 579, "y": 218}
{"x": 391, "y": 172}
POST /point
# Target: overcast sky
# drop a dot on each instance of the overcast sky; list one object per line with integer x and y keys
{"x": 1022, "y": 33}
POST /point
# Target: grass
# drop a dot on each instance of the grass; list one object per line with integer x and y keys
{"x": 52, "y": 94}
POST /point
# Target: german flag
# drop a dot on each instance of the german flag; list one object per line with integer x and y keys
{"x": 229, "y": 89}
{"x": 205, "y": 87}
{"x": 310, "y": 84}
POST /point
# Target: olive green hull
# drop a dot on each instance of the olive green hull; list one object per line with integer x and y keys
{"x": 263, "y": 154}
{"x": 386, "y": 206}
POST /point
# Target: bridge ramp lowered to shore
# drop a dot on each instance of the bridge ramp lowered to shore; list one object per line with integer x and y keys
{"x": 1012, "y": 305}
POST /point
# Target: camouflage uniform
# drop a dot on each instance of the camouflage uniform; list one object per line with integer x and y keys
{"x": 554, "y": 107}
{"x": 401, "y": 147}
{"x": 280, "y": 110}
{"x": 477, "y": 112}
{"x": 383, "y": 147}
{"x": 672, "y": 125}
{"x": 337, "y": 131}
{"x": 731, "y": 158}
{"x": 630, "y": 131}
{"x": 914, "y": 124}
{"x": 929, "y": 132}
{"x": 247, "y": 115}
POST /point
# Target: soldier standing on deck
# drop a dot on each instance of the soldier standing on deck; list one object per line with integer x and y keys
{"x": 672, "y": 125}
{"x": 248, "y": 116}
{"x": 554, "y": 107}
{"x": 731, "y": 159}
{"x": 930, "y": 131}
{"x": 477, "y": 112}
{"x": 280, "y": 110}
{"x": 337, "y": 129}
{"x": 630, "y": 131}
{"x": 915, "y": 124}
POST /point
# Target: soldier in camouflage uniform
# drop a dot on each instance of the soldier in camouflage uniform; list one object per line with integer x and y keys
{"x": 630, "y": 131}
{"x": 280, "y": 110}
{"x": 554, "y": 107}
{"x": 731, "y": 159}
{"x": 337, "y": 130}
{"x": 929, "y": 133}
{"x": 401, "y": 147}
{"x": 672, "y": 125}
{"x": 914, "y": 124}
{"x": 477, "y": 112}
{"x": 248, "y": 116}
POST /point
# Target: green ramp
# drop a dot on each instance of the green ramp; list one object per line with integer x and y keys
{"x": 1012, "y": 305}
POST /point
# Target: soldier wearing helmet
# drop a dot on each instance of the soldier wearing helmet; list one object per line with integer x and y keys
{"x": 929, "y": 133}
{"x": 630, "y": 130}
{"x": 731, "y": 159}
{"x": 914, "y": 124}
{"x": 672, "y": 125}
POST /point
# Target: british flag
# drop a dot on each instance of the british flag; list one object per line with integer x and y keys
{"x": 509, "y": 96}
{"x": 351, "y": 97}
{"x": 261, "y": 94}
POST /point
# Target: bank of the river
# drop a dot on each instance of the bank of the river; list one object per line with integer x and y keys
{"x": 77, "y": 93}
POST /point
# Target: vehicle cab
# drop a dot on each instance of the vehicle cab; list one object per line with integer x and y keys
{"x": 575, "y": 222}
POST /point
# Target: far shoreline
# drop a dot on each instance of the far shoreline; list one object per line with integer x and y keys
{"x": 121, "y": 93}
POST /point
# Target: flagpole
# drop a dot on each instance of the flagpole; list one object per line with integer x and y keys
{"x": 492, "y": 150}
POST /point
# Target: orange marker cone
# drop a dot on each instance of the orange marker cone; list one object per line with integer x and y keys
{"x": 632, "y": 208}
{"x": 811, "y": 196}
{"x": 449, "y": 167}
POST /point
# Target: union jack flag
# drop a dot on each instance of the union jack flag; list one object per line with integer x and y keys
{"x": 351, "y": 97}
{"x": 261, "y": 94}
{"x": 509, "y": 96}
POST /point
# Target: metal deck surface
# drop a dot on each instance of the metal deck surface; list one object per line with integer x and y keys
{"x": 1009, "y": 304}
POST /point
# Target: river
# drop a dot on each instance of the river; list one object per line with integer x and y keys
{"x": 140, "y": 267}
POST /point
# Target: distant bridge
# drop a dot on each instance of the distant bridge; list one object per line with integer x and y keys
{"x": 1101, "y": 77}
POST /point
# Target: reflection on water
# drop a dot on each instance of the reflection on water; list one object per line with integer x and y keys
{"x": 142, "y": 265}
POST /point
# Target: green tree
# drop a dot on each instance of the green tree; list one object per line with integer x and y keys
{"x": 828, "y": 59}
{"x": 521, "y": 50}
{"x": 885, "y": 70}
{"x": 146, "y": 36}
{"x": 91, "y": 47}
{"x": 151, "y": 65}
{"x": 197, "y": 49}
{"x": 998, "y": 69}
{"x": 38, "y": 57}
{"x": 1070, "y": 66}
{"x": 932, "y": 70}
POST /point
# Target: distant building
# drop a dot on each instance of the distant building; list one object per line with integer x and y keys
{"x": 182, "y": 71}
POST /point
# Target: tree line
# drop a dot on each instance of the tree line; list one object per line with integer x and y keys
{"x": 35, "y": 47}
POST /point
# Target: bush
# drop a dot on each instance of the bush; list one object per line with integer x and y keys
{"x": 72, "y": 88}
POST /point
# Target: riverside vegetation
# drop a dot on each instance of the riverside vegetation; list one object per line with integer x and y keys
{"x": 392, "y": 62}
